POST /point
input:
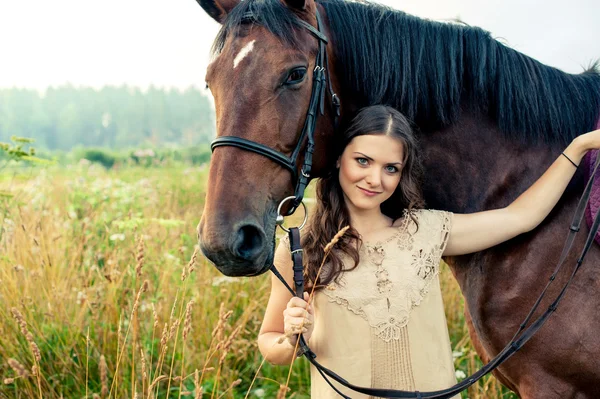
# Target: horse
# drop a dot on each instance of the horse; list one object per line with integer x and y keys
{"x": 489, "y": 119}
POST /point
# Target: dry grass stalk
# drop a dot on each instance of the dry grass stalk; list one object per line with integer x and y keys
{"x": 218, "y": 331}
{"x": 144, "y": 365}
{"x": 187, "y": 325}
{"x": 283, "y": 390}
{"x": 119, "y": 334}
{"x": 190, "y": 266}
{"x": 142, "y": 289}
{"x": 9, "y": 381}
{"x": 139, "y": 257}
{"x": 233, "y": 385}
{"x": 156, "y": 381}
{"x": 197, "y": 387}
{"x": 155, "y": 315}
{"x": 103, "y": 377}
{"x": 336, "y": 238}
{"x": 184, "y": 273}
{"x": 192, "y": 263}
{"x": 28, "y": 336}
{"x": 164, "y": 337}
{"x": 227, "y": 344}
{"x": 173, "y": 329}
{"x": 18, "y": 368}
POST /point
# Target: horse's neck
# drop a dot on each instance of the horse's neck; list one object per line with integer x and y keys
{"x": 472, "y": 166}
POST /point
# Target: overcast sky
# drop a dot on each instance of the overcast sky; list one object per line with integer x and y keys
{"x": 167, "y": 42}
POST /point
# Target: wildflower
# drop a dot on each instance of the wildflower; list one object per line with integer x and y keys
{"x": 117, "y": 236}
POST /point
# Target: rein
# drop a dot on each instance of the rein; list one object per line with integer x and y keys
{"x": 521, "y": 337}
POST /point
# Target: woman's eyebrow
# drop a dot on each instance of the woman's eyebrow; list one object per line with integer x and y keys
{"x": 366, "y": 156}
{"x": 371, "y": 159}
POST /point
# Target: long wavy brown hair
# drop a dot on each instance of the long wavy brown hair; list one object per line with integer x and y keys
{"x": 331, "y": 214}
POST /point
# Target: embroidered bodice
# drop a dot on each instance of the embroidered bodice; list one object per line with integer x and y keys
{"x": 395, "y": 274}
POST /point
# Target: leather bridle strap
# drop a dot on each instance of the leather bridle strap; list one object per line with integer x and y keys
{"x": 252, "y": 146}
{"x": 523, "y": 335}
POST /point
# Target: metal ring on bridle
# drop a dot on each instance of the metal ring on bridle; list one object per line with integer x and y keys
{"x": 280, "y": 219}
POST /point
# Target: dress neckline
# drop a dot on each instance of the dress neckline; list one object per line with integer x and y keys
{"x": 398, "y": 230}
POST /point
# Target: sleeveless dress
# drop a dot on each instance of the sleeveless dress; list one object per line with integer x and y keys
{"x": 383, "y": 324}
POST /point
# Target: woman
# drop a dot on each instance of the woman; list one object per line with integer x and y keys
{"x": 377, "y": 317}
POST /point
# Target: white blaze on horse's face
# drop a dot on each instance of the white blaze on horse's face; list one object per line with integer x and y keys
{"x": 243, "y": 53}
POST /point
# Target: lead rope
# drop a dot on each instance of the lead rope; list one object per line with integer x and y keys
{"x": 521, "y": 337}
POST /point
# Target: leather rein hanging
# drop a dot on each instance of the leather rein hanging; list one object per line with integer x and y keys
{"x": 321, "y": 82}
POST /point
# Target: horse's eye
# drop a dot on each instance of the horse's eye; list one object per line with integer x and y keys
{"x": 206, "y": 86}
{"x": 296, "y": 76}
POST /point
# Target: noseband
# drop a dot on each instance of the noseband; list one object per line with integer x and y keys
{"x": 321, "y": 81}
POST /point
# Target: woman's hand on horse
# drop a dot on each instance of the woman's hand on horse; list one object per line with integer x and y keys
{"x": 586, "y": 142}
{"x": 298, "y": 317}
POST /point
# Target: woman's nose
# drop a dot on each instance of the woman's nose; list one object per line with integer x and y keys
{"x": 373, "y": 178}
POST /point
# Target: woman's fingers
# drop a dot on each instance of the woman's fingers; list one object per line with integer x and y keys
{"x": 297, "y": 302}
{"x": 296, "y": 312}
{"x": 300, "y": 303}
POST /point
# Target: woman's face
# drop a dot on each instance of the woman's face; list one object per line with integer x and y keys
{"x": 370, "y": 169}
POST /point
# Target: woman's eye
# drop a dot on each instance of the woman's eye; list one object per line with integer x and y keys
{"x": 391, "y": 169}
{"x": 296, "y": 76}
{"x": 362, "y": 161}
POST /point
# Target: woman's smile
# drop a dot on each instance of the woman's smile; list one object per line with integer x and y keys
{"x": 368, "y": 193}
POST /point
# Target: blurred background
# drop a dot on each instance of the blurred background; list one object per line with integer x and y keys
{"x": 105, "y": 127}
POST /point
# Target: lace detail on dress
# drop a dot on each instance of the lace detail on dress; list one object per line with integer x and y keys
{"x": 394, "y": 276}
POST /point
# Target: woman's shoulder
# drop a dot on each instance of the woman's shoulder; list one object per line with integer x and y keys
{"x": 422, "y": 215}
{"x": 426, "y": 220}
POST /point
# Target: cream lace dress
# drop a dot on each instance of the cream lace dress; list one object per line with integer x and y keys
{"x": 383, "y": 325}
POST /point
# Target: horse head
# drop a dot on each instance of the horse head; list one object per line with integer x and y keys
{"x": 261, "y": 79}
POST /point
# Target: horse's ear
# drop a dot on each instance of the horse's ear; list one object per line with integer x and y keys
{"x": 297, "y": 4}
{"x": 218, "y": 9}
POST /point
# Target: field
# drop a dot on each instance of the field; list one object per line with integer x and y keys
{"x": 102, "y": 297}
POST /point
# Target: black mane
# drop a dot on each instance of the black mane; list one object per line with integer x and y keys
{"x": 429, "y": 70}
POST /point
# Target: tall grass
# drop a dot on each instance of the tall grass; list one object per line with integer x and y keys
{"x": 103, "y": 295}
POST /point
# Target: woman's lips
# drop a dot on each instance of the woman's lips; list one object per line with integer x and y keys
{"x": 368, "y": 192}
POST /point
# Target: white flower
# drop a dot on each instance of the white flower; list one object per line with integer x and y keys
{"x": 81, "y": 297}
{"x": 117, "y": 236}
{"x": 460, "y": 374}
{"x": 259, "y": 392}
{"x": 457, "y": 354}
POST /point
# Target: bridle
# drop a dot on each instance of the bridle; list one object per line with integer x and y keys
{"x": 321, "y": 81}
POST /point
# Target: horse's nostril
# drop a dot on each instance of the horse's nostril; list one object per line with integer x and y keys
{"x": 249, "y": 242}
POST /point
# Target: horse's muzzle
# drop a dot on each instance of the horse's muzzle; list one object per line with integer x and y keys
{"x": 246, "y": 252}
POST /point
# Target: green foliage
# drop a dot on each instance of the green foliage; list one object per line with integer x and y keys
{"x": 195, "y": 155}
{"x": 114, "y": 117}
{"x": 102, "y": 157}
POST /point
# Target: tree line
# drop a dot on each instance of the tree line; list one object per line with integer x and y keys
{"x": 114, "y": 117}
